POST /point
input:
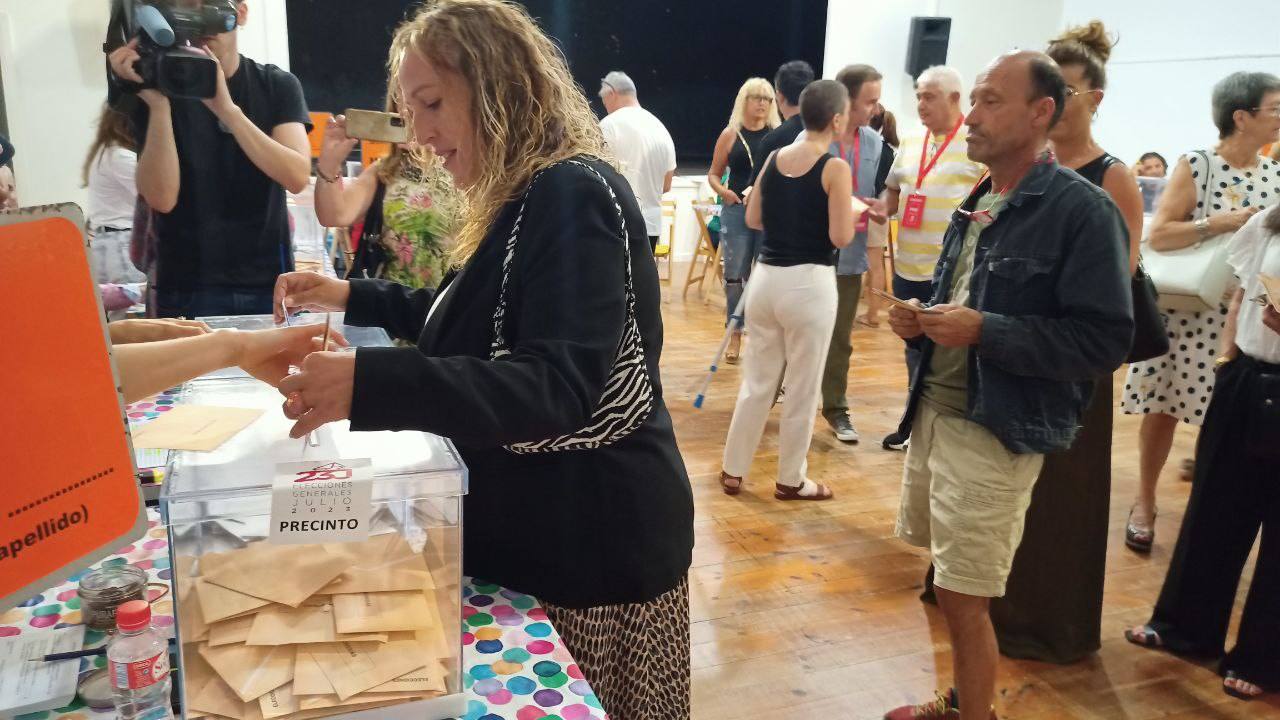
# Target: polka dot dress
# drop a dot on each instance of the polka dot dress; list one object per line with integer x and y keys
{"x": 1180, "y": 383}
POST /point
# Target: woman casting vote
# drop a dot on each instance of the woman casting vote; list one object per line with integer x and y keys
{"x": 538, "y": 357}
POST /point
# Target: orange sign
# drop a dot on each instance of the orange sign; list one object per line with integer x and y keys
{"x": 70, "y": 495}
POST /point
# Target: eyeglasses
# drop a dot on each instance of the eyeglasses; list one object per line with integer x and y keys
{"x": 1273, "y": 111}
{"x": 606, "y": 88}
{"x": 761, "y": 98}
{"x": 1072, "y": 92}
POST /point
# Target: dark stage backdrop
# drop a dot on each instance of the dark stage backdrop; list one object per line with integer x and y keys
{"x": 688, "y": 57}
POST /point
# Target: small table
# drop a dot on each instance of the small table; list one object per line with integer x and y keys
{"x": 514, "y": 665}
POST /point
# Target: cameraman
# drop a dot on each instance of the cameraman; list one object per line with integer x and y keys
{"x": 215, "y": 172}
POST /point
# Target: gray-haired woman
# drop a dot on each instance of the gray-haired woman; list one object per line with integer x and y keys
{"x": 1210, "y": 192}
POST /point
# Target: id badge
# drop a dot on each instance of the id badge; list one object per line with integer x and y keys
{"x": 913, "y": 212}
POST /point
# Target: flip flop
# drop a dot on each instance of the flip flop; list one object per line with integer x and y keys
{"x": 786, "y": 492}
{"x": 1148, "y": 638}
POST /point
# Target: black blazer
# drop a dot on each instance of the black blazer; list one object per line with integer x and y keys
{"x": 579, "y": 528}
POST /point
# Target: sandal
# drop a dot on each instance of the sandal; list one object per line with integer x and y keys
{"x": 734, "y": 351}
{"x": 1147, "y": 638}
{"x": 1238, "y": 694}
{"x": 864, "y": 320}
{"x": 787, "y": 492}
{"x": 1188, "y": 470}
{"x": 1140, "y": 538}
{"x": 730, "y": 489}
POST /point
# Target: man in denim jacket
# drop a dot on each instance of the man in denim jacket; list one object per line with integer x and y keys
{"x": 1031, "y": 302}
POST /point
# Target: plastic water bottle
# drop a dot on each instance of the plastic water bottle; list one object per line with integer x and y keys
{"x": 138, "y": 658}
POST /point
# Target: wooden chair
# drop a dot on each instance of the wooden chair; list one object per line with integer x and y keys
{"x": 666, "y": 239}
{"x": 889, "y": 254}
{"x": 705, "y": 251}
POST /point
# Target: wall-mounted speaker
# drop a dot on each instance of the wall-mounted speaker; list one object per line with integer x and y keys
{"x": 928, "y": 44}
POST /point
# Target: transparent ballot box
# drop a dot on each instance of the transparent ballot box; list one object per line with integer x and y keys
{"x": 315, "y": 578}
{"x": 356, "y": 336}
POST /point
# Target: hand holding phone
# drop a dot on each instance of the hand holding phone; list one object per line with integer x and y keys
{"x": 376, "y": 126}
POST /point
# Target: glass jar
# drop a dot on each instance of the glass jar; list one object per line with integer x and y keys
{"x": 105, "y": 589}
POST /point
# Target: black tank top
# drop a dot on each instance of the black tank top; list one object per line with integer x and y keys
{"x": 743, "y": 158}
{"x": 796, "y": 218}
{"x": 1096, "y": 169}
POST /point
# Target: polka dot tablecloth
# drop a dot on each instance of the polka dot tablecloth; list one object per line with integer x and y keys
{"x": 59, "y": 607}
{"x": 515, "y": 666}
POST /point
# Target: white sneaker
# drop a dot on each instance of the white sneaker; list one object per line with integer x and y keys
{"x": 843, "y": 428}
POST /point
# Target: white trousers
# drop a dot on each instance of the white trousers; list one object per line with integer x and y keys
{"x": 791, "y": 312}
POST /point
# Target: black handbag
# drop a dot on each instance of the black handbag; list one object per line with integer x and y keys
{"x": 1150, "y": 337}
{"x": 371, "y": 256}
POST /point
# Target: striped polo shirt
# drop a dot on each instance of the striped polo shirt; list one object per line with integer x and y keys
{"x": 945, "y": 187}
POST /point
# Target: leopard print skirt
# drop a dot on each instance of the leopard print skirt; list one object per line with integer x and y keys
{"x": 636, "y": 657}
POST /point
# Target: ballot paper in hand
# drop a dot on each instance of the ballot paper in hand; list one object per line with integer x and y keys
{"x": 27, "y": 686}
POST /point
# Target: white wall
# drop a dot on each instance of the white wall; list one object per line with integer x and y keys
{"x": 51, "y": 67}
{"x": 877, "y": 32}
{"x": 1162, "y": 71}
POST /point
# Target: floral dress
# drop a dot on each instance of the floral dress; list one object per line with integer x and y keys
{"x": 419, "y": 215}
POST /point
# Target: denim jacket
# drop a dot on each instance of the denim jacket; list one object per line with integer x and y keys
{"x": 1051, "y": 280}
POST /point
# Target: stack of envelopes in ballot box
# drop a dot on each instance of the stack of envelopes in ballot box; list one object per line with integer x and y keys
{"x": 319, "y": 578}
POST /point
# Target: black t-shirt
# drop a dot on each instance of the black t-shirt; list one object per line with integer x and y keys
{"x": 230, "y": 228}
{"x": 778, "y": 138}
{"x": 743, "y": 159}
{"x": 796, "y": 217}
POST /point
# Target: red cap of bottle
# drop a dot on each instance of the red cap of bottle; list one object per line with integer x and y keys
{"x": 133, "y": 615}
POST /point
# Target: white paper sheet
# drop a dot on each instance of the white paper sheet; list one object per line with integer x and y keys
{"x": 30, "y": 686}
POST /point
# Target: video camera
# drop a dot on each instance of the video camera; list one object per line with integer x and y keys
{"x": 166, "y": 30}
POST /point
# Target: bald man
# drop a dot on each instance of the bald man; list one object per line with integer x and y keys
{"x": 1031, "y": 302}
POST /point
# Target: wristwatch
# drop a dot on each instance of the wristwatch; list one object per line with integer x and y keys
{"x": 1221, "y": 362}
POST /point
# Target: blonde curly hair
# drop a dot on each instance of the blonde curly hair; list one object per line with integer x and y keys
{"x": 527, "y": 111}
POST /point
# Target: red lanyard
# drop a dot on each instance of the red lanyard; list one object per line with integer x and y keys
{"x": 1046, "y": 157}
{"x": 857, "y": 156}
{"x": 924, "y": 147}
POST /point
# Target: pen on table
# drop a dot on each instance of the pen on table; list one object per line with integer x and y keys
{"x": 74, "y": 654}
{"x": 71, "y": 655}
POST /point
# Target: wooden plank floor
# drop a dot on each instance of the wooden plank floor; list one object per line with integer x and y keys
{"x": 806, "y": 610}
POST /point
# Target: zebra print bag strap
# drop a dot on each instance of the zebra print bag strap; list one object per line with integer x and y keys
{"x": 627, "y": 399}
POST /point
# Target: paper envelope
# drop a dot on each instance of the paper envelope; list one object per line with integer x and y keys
{"x": 285, "y": 574}
{"x": 251, "y": 671}
{"x": 383, "y": 563}
{"x": 382, "y": 612}
{"x": 352, "y": 671}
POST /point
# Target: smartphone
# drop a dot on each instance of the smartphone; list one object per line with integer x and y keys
{"x": 904, "y": 304}
{"x": 377, "y": 126}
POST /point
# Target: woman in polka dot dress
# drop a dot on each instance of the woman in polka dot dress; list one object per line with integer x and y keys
{"x": 1209, "y": 193}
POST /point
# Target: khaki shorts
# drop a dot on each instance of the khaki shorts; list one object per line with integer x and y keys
{"x": 965, "y": 497}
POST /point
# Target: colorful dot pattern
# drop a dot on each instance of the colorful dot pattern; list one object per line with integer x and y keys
{"x": 515, "y": 662}
{"x": 59, "y": 607}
